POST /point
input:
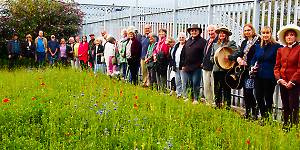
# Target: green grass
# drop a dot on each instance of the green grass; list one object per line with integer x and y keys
{"x": 67, "y": 109}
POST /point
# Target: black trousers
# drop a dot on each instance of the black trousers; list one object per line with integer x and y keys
{"x": 264, "y": 89}
{"x": 133, "y": 65}
{"x": 221, "y": 89}
{"x": 13, "y": 61}
{"x": 290, "y": 102}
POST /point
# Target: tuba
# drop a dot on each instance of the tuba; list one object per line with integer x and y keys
{"x": 220, "y": 55}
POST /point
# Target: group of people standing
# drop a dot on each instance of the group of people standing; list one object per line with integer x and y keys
{"x": 266, "y": 63}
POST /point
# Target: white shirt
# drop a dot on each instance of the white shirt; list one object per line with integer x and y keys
{"x": 177, "y": 55}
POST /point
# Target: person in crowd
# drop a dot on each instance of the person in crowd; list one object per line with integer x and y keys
{"x": 14, "y": 51}
{"x": 110, "y": 55}
{"x": 53, "y": 50}
{"x": 287, "y": 73}
{"x": 104, "y": 36}
{"x": 133, "y": 53}
{"x": 92, "y": 41}
{"x": 41, "y": 44}
{"x": 170, "y": 74}
{"x": 83, "y": 53}
{"x": 99, "y": 57}
{"x": 208, "y": 80}
{"x": 262, "y": 69}
{"x": 76, "y": 47}
{"x": 175, "y": 60}
{"x": 145, "y": 44}
{"x": 247, "y": 48}
{"x": 190, "y": 62}
{"x": 221, "y": 89}
{"x": 149, "y": 60}
{"x": 29, "y": 51}
{"x": 122, "y": 56}
{"x": 161, "y": 59}
{"x": 70, "y": 51}
{"x": 63, "y": 52}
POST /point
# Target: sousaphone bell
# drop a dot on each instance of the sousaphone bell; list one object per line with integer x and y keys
{"x": 220, "y": 55}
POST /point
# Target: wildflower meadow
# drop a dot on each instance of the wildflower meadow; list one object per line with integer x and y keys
{"x": 69, "y": 109}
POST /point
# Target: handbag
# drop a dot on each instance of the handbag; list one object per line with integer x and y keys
{"x": 249, "y": 83}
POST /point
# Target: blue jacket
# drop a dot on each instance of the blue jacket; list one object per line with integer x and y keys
{"x": 266, "y": 58}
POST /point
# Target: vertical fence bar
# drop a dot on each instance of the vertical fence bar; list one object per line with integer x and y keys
{"x": 263, "y": 11}
{"x": 281, "y": 13}
{"x": 269, "y": 13}
{"x": 275, "y": 18}
{"x": 288, "y": 20}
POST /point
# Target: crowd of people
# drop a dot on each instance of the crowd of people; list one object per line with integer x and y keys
{"x": 265, "y": 63}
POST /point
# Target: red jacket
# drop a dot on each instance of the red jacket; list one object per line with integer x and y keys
{"x": 83, "y": 51}
{"x": 287, "y": 65}
{"x": 162, "y": 47}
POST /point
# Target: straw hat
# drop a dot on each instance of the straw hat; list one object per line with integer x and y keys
{"x": 194, "y": 26}
{"x": 282, "y": 31}
{"x": 224, "y": 29}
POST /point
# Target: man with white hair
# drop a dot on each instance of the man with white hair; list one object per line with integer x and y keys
{"x": 208, "y": 81}
{"x": 145, "y": 43}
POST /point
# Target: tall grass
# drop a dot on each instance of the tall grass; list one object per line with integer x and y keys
{"x": 67, "y": 109}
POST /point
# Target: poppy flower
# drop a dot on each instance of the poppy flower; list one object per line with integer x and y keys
{"x": 136, "y": 97}
{"x": 121, "y": 93}
{"x": 135, "y": 106}
{"x": 43, "y": 84}
{"x": 33, "y": 98}
{"x": 5, "y": 100}
{"x": 248, "y": 142}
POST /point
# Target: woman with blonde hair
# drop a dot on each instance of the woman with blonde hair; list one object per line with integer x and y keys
{"x": 29, "y": 51}
{"x": 243, "y": 57}
{"x": 262, "y": 68}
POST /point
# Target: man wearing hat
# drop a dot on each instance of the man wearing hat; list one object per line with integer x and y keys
{"x": 92, "y": 40}
{"x": 287, "y": 73}
{"x": 14, "y": 50}
{"x": 190, "y": 61}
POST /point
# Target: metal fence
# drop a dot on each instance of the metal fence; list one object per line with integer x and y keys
{"x": 231, "y": 13}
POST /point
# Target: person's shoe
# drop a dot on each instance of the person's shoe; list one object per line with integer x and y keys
{"x": 195, "y": 102}
{"x": 185, "y": 99}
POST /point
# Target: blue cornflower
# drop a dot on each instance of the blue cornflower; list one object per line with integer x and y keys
{"x": 115, "y": 108}
{"x": 95, "y": 105}
{"x": 82, "y": 94}
{"x": 99, "y": 112}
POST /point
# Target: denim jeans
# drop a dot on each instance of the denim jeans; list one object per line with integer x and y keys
{"x": 195, "y": 78}
{"x": 100, "y": 68}
{"x": 41, "y": 58}
{"x": 178, "y": 82}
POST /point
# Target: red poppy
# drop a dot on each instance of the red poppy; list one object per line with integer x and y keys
{"x": 33, "y": 98}
{"x": 5, "y": 100}
{"x": 121, "y": 93}
{"x": 43, "y": 84}
{"x": 248, "y": 142}
{"x": 136, "y": 97}
{"x": 135, "y": 106}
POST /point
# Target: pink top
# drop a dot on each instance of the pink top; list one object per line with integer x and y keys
{"x": 62, "y": 50}
{"x": 83, "y": 51}
{"x": 162, "y": 46}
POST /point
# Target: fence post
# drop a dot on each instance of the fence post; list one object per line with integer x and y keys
{"x": 175, "y": 19}
{"x": 210, "y": 13}
{"x": 256, "y": 14}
